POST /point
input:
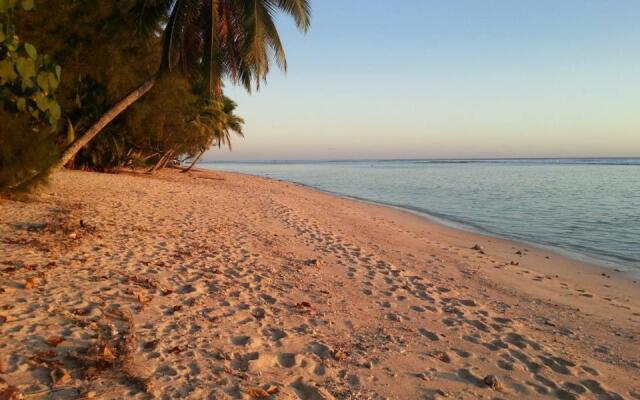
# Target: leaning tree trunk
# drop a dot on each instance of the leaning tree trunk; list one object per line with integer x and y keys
{"x": 167, "y": 159}
{"x": 157, "y": 165}
{"x": 97, "y": 127}
{"x": 92, "y": 132}
{"x": 162, "y": 162}
{"x": 194, "y": 161}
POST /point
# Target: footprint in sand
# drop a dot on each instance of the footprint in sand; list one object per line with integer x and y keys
{"x": 241, "y": 340}
{"x": 287, "y": 360}
{"x": 305, "y": 391}
{"x": 429, "y": 335}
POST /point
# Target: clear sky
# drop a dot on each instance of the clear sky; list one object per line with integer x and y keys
{"x": 458, "y": 78}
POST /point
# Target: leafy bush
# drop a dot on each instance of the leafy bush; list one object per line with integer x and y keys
{"x": 30, "y": 113}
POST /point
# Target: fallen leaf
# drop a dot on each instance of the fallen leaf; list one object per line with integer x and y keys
{"x": 258, "y": 393}
{"x": 81, "y": 311}
{"x": 31, "y": 283}
{"x": 107, "y": 353}
{"x": 142, "y": 299}
{"x": 10, "y": 393}
{"x": 6, "y": 318}
{"x": 176, "y": 350}
{"x": 273, "y": 389}
{"x": 59, "y": 376}
{"x": 340, "y": 355}
{"x": 313, "y": 262}
{"x": 303, "y": 304}
{"x": 54, "y": 340}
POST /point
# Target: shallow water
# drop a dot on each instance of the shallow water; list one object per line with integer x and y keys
{"x": 588, "y": 208}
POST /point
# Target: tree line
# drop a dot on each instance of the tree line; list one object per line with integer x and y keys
{"x": 98, "y": 85}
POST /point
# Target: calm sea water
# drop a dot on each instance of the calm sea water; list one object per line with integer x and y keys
{"x": 587, "y": 208}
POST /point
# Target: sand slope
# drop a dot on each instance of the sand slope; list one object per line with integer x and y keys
{"x": 218, "y": 285}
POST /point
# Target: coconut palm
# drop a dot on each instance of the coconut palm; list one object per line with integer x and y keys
{"x": 209, "y": 40}
{"x": 219, "y": 122}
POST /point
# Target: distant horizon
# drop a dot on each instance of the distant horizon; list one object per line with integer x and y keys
{"x": 422, "y": 159}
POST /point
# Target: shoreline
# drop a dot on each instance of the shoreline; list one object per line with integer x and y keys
{"x": 224, "y": 284}
{"x": 544, "y": 261}
{"x": 600, "y": 265}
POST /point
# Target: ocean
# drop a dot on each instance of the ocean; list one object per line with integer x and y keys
{"x": 587, "y": 209}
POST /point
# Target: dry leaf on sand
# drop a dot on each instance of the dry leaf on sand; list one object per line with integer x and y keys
{"x": 10, "y": 393}
{"x": 31, "y": 283}
{"x": 54, "y": 340}
{"x": 59, "y": 376}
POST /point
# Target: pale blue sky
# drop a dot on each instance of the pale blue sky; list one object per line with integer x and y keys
{"x": 459, "y": 78}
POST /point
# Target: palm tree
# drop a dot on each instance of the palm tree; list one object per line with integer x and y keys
{"x": 209, "y": 40}
{"x": 218, "y": 121}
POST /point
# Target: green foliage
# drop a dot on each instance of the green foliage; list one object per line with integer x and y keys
{"x": 29, "y": 111}
{"x": 214, "y": 40}
{"x": 103, "y": 61}
{"x": 23, "y": 153}
{"x": 215, "y": 119}
{"x": 164, "y": 119}
{"x": 9, "y": 5}
{"x": 171, "y": 118}
{"x": 104, "y": 58}
{"x": 28, "y": 81}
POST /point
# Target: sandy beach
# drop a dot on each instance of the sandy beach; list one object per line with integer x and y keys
{"x": 214, "y": 285}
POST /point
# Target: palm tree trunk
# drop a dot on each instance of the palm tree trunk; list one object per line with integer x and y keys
{"x": 160, "y": 162}
{"x": 97, "y": 127}
{"x": 194, "y": 161}
{"x": 167, "y": 159}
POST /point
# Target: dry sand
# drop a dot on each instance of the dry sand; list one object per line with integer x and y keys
{"x": 219, "y": 285}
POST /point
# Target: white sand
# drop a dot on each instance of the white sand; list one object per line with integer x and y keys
{"x": 228, "y": 286}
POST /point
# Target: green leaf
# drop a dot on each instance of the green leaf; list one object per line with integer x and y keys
{"x": 43, "y": 81}
{"x": 7, "y": 72}
{"x": 21, "y": 103}
{"x": 54, "y": 82}
{"x": 26, "y": 67}
{"x": 42, "y": 102}
{"x": 31, "y": 51}
{"x": 28, "y": 5}
{"x": 58, "y": 72}
{"x": 54, "y": 111}
{"x": 4, "y": 6}
{"x": 27, "y": 84}
{"x": 71, "y": 133}
{"x": 47, "y": 81}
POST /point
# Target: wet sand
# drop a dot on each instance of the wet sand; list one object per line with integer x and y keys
{"x": 221, "y": 285}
